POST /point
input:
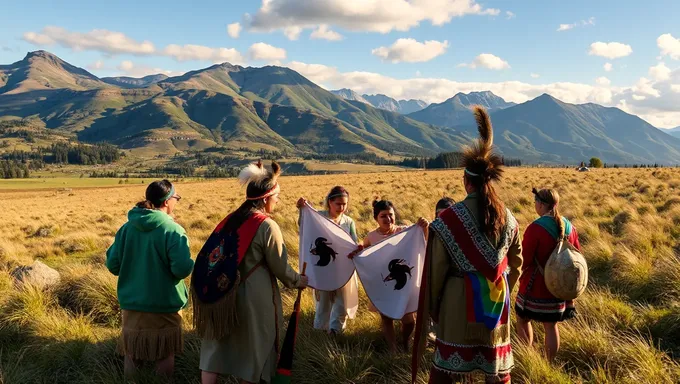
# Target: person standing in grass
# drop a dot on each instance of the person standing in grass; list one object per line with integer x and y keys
{"x": 385, "y": 214}
{"x": 442, "y": 204}
{"x": 235, "y": 294}
{"x": 333, "y": 308}
{"x": 534, "y": 301}
{"x": 473, "y": 261}
{"x": 151, "y": 257}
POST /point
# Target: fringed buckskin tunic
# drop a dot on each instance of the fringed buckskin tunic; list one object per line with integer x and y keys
{"x": 472, "y": 314}
{"x": 250, "y": 351}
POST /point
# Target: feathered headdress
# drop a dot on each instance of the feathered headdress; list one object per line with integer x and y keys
{"x": 480, "y": 159}
{"x": 260, "y": 183}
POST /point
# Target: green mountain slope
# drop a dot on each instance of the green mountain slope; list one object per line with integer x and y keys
{"x": 456, "y": 110}
{"x": 43, "y": 70}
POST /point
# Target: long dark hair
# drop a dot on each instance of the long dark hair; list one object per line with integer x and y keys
{"x": 482, "y": 168}
{"x": 155, "y": 192}
{"x": 337, "y": 191}
{"x": 443, "y": 203}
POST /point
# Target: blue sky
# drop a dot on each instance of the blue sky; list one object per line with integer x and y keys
{"x": 523, "y": 43}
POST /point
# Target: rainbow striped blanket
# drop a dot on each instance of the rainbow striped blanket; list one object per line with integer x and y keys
{"x": 486, "y": 300}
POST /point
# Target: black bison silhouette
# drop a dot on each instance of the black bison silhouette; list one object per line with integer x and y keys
{"x": 398, "y": 271}
{"x": 324, "y": 252}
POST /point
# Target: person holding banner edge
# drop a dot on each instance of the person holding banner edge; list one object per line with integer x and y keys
{"x": 235, "y": 294}
{"x": 334, "y": 307}
{"x": 385, "y": 214}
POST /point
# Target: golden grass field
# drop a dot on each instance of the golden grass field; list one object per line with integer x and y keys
{"x": 627, "y": 331}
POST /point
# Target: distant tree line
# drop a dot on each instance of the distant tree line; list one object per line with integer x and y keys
{"x": 448, "y": 160}
{"x": 66, "y": 153}
{"x": 11, "y": 169}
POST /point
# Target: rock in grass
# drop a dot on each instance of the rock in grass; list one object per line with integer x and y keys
{"x": 37, "y": 274}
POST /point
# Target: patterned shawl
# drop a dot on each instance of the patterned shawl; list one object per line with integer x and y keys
{"x": 216, "y": 277}
{"x": 484, "y": 266}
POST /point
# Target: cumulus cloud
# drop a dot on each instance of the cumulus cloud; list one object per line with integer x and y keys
{"x": 675, "y": 88}
{"x": 509, "y": 15}
{"x": 669, "y": 45}
{"x": 262, "y": 51}
{"x": 660, "y": 72}
{"x": 603, "y": 81}
{"x": 488, "y": 61}
{"x": 128, "y": 68}
{"x": 582, "y": 23}
{"x": 96, "y": 65}
{"x": 362, "y": 15}
{"x": 111, "y": 42}
{"x": 292, "y": 33}
{"x": 411, "y": 51}
{"x": 199, "y": 52}
{"x": 535, "y": 75}
{"x": 611, "y": 50}
{"x": 101, "y": 40}
{"x": 325, "y": 33}
{"x": 234, "y": 30}
{"x": 608, "y": 67}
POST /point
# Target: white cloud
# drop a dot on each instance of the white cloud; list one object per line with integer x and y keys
{"x": 111, "y": 42}
{"x": 323, "y": 32}
{"x": 292, "y": 33}
{"x": 675, "y": 88}
{"x": 639, "y": 98}
{"x": 611, "y": 50}
{"x": 96, "y": 65}
{"x": 582, "y": 23}
{"x": 603, "y": 81}
{"x": 535, "y": 75}
{"x": 411, "y": 51}
{"x": 418, "y": 74}
{"x": 126, "y": 65}
{"x": 660, "y": 72}
{"x": 203, "y": 53}
{"x": 645, "y": 87}
{"x": 128, "y": 68}
{"x": 362, "y": 15}
{"x": 509, "y": 15}
{"x": 669, "y": 45}
{"x": 488, "y": 61}
{"x": 608, "y": 67}
{"x": 234, "y": 30}
{"x": 262, "y": 51}
{"x": 101, "y": 40}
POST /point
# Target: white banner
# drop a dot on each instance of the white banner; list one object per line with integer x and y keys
{"x": 391, "y": 271}
{"x": 324, "y": 246}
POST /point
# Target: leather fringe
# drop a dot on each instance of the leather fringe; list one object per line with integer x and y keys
{"x": 151, "y": 345}
{"x": 216, "y": 320}
{"x": 479, "y": 333}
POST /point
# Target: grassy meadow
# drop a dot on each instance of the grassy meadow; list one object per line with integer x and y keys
{"x": 627, "y": 331}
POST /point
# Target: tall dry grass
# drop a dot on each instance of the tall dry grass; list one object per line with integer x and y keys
{"x": 627, "y": 329}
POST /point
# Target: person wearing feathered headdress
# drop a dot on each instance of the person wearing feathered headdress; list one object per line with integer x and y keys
{"x": 236, "y": 300}
{"x": 473, "y": 261}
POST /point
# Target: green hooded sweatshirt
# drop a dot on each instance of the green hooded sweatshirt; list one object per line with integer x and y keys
{"x": 151, "y": 257}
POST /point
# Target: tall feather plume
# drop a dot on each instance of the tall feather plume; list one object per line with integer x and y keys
{"x": 254, "y": 172}
{"x": 480, "y": 157}
{"x": 484, "y": 127}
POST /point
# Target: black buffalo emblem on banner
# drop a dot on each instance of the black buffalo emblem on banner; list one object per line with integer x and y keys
{"x": 321, "y": 248}
{"x": 399, "y": 272}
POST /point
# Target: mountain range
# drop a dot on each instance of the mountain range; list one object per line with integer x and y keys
{"x": 275, "y": 108}
{"x": 383, "y": 102}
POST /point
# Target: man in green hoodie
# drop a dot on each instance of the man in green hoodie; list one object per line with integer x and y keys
{"x": 151, "y": 257}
